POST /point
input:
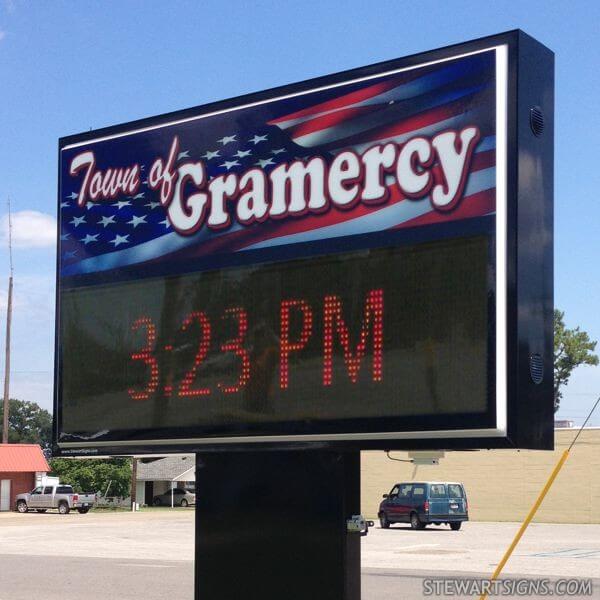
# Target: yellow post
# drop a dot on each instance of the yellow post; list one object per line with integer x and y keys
{"x": 528, "y": 519}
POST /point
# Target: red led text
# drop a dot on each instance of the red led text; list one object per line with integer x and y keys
{"x": 335, "y": 338}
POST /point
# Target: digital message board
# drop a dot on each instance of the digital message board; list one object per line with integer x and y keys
{"x": 361, "y": 260}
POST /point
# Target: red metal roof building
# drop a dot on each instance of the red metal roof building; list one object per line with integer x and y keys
{"x": 19, "y": 466}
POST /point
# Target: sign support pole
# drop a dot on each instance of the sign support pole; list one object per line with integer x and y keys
{"x": 272, "y": 525}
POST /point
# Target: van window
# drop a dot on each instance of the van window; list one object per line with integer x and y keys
{"x": 418, "y": 491}
{"x": 394, "y": 491}
{"x": 437, "y": 491}
{"x": 405, "y": 491}
{"x": 455, "y": 490}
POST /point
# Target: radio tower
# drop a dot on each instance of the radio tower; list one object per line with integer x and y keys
{"x": 8, "y": 323}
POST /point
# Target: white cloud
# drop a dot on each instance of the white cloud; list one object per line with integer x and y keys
{"x": 30, "y": 229}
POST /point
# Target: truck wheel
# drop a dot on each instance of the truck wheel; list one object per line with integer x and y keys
{"x": 383, "y": 521}
{"x": 63, "y": 508}
{"x": 415, "y": 522}
{"x": 22, "y": 506}
{"x": 83, "y": 511}
{"x": 156, "y": 502}
{"x": 455, "y": 526}
{"x": 40, "y": 510}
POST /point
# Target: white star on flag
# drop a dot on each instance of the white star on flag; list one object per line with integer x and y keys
{"x": 184, "y": 154}
{"x": 120, "y": 239}
{"x": 278, "y": 151}
{"x": 165, "y": 223}
{"x": 243, "y": 153}
{"x": 89, "y": 238}
{"x": 137, "y": 196}
{"x": 104, "y": 221}
{"x": 258, "y": 138}
{"x": 135, "y": 221}
{"x": 64, "y": 237}
{"x": 70, "y": 254}
{"x": 230, "y": 163}
{"x": 72, "y": 195}
{"x": 265, "y": 162}
{"x": 152, "y": 205}
{"x": 121, "y": 203}
{"x": 64, "y": 205}
{"x": 227, "y": 139}
{"x": 77, "y": 221}
{"x": 208, "y": 155}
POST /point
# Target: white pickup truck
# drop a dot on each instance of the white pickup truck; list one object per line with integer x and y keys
{"x": 59, "y": 497}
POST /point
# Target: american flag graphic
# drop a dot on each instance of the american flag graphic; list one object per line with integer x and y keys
{"x": 134, "y": 230}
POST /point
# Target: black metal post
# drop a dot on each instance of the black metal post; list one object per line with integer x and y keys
{"x": 272, "y": 525}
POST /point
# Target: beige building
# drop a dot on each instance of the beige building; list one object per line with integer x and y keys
{"x": 503, "y": 484}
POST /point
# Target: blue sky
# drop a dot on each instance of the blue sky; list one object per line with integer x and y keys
{"x": 66, "y": 67}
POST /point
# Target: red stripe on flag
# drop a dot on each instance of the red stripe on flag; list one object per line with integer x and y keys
{"x": 332, "y": 119}
{"x": 379, "y": 134}
{"x": 477, "y": 205}
{"x": 345, "y": 100}
{"x": 420, "y": 120}
{"x": 339, "y": 102}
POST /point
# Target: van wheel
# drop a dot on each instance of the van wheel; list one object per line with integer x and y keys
{"x": 383, "y": 521}
{"x": 415, "y": 522}
{"x": 22, "y": 506}
{"x": 455, "y": 526}
{"x": 63, "y": 508}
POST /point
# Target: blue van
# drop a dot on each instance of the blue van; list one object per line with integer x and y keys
{"x": 425, "y": 503}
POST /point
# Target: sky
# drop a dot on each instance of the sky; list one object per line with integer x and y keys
{"x": 67, "y": 67}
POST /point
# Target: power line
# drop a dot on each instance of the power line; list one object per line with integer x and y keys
{"x": 585, "y": 422}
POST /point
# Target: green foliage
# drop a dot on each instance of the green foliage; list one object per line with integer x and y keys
{"x": 94, "y": 475}
{"x": 28, "y": 423}
{"x": 572, "y": 347}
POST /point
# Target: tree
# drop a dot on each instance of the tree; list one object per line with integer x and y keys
{"x": 28, "y": 423}
{"x": 572, "y": 347}
{"x": 95, "y": 475}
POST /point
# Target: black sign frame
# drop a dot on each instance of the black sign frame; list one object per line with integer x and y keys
{"x": 528, "y": 421}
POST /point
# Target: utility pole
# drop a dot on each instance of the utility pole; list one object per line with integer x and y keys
{"x": 8, "y": 323}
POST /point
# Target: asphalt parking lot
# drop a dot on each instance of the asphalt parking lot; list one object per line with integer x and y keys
{"x": 150, "y": 555}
